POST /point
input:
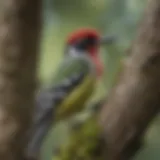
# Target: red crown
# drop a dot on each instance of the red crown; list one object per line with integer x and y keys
{"x": 80, "y": 33}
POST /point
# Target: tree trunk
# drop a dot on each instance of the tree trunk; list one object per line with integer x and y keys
{"x": 19, "y": 39}
{"x": 135, "y": 100}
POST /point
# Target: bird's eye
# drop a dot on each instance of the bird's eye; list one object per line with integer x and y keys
{"x": 86, "y": 42}
{"x": 81, "y": 44}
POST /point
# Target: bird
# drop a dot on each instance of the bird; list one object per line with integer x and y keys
{"x": 73, "y": 85}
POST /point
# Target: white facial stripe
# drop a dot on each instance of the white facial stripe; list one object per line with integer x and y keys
{"x": 74, "y": 52}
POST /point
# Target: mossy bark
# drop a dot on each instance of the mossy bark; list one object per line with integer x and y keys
{"x": 135, "y": 100}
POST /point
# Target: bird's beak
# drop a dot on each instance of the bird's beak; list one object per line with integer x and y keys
{"x": 107, "y": 40}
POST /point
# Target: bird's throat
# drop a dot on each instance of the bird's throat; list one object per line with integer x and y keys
{"x": 97, "y": 61}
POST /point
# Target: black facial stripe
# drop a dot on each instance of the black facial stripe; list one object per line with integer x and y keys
{"x": 84, "y": 43}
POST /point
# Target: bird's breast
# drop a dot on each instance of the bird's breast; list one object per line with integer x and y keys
{"x": 75, "y": 101}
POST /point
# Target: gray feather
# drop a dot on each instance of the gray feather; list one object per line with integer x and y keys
{"x": 46, "y": 102}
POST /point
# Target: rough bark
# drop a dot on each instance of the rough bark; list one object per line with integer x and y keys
{"x": 19, "y": 38}
{"x": 135, "y": 99}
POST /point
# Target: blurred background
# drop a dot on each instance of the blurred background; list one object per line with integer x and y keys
{"x": 117, "y": 17}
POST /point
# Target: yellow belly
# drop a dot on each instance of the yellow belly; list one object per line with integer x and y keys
{"x": 76, "y": 100}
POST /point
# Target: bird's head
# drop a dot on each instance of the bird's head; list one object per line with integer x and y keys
{"x": 87, "y": 41}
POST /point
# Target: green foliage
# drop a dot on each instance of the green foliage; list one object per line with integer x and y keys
{"x": 84, "y": 142}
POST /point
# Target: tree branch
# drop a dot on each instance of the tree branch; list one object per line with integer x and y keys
{"x": 19, "y": 38}
{"x": 134, "y": 101}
